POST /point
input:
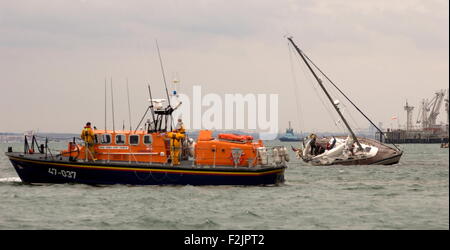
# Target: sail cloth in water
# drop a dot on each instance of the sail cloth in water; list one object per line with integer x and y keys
{"x": 341, "y": 151}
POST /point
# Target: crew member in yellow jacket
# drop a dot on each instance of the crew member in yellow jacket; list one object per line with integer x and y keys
{"x": 175, "y": 146}
{"x": 88, "y": 137}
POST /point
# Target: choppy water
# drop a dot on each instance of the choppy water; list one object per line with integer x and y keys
{"x": 411, "y": 195}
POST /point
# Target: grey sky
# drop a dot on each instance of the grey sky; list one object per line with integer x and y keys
{"x": 55, "y": 55}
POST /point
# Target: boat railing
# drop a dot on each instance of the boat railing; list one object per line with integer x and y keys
{"x": 264, "y": 156}
{"x": 274, "y": 156}
{"x": 42, "y": 148}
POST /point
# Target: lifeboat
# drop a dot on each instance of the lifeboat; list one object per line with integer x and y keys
{"x": 155, "y": 155}
{"x": 148, "y": 158}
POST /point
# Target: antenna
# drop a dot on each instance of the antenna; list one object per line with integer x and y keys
{"x": 151, "y": 104}
{"x": 176, "y": 82}
{"x": 149, "y": 107}
{"x": 162, "y": 71}
{"x": 129, "y": 108}
{"x": 112, "y": 104}
{"x": 142, "y": 119}
{"x": 105, "y": 105}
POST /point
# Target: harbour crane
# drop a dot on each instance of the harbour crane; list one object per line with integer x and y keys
{"x": 446, "y": 108}
{"x": 408, "y": 109}
{"x": 430, "y": 110}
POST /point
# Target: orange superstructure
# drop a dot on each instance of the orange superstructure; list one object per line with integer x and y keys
{"x": 212, "y": 151}
{"x": 136, "y": 146}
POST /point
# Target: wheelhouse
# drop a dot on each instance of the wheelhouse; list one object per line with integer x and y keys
{"x": 135, "y": 146}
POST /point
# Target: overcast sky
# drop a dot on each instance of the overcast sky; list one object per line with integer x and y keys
{"x": 55, "y": 55}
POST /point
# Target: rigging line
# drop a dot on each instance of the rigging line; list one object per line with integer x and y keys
{"x": 343, "y": 109}
{"x": 105, "y": 103}
{"x": 333, "y": 119}
{"x": 354, "y": 105}
{"x": 162, "y": 71}
{"x": 112, "y": 104}
{"x": 336, "y": 121}
{"x": 336, "y": 94}
{"x": 142, "y": 119}
{"x": 299, "y": 111}
{"x": 151, "y": 105}
{"x": 330, "y": 114}
{"x": 319, "y": 81}
{"x": 165, "y": 84}
{"x": 333, "y": 92}
{"x": 355, "y": 123}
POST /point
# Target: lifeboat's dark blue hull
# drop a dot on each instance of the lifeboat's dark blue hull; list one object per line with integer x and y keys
{"x": 37, "y": 169}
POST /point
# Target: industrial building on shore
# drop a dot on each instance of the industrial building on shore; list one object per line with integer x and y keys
{"x": 425, "y": 128}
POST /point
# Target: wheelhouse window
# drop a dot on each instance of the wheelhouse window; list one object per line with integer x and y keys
{"x": 148, "y": 139}
{"x": 120, "y": 139}
{"x": 106, "y": 139}
{"x": 134, "y": 139}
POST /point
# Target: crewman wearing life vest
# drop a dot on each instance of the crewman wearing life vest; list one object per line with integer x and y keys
{"x": 175, "y": 146}
{"x": 179, "y": 128}
{"x": 87, "y": 135}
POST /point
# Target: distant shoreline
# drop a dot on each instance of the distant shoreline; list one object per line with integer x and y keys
{"x": 192, "y": 133}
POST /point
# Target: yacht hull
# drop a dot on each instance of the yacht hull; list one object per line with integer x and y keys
{"x": 385, "y": 155}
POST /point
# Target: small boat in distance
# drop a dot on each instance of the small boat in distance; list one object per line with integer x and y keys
{"x": 350, "y": 150}
{"x": 289, "y": 135}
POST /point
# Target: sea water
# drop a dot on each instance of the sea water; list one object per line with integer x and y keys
{"x": 413, "y": 194}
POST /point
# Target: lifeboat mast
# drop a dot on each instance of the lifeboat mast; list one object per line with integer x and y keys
{"x": 160, "y": 115}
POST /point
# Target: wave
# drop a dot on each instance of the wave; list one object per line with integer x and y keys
{"x": 10, "y": 179}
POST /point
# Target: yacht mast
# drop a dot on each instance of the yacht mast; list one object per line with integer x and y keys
{"x": 326, "y": 93}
